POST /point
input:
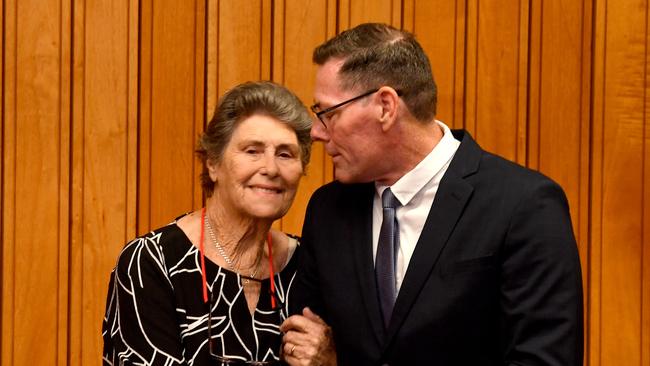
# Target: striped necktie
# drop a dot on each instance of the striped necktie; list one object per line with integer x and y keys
{"x": 386, "y": 258}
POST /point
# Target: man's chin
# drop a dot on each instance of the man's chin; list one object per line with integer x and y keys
{"x": 347, "y": 178}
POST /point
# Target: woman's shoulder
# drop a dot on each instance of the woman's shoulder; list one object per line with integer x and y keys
{"x": 156, "y": 245}
{"x": 157, "y": 237}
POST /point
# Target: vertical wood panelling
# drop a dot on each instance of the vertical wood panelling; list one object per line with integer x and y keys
{"x": 64, "y": 206}
{"x": 594, "y": 291}
{"x": 439, "y": 40}
{"x": 8, "y": 179}
{"x": 102, "y": 104}
{"x": 645, "y": 288}
{"x": 354, "y": 12}
{"x": 471, "y": 63}
{"x": 241, "y": 43}
{"x": 559, "y": 93}
{"x": 293, "y": 46}
{"x": 104, "y": 187}
{"x": 200, "y": 69}
{"x": 582, "y": 221}
{"x": 169, "y": 131}
{"x": 35, "y": 143}
{"x": 497, "y": 74}
{"x": 2, "y": 164}
{"x": 76, "y": 175}
{"x": 211, "y": 77}
{"x": 621, "y": 54}
{"x": 145, "y": 121}
{"x": 133, "y": 100}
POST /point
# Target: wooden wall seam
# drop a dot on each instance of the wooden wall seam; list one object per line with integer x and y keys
{"x": 460, "y": 61}
{"x": 133, "y": 113}
{"x": 2, "y": 164}
{"x": 65, "y": 122}
{"x": 200, "y": 86}
{"x": 584, "y": 202}
{"x": 521, "y": 150}
{"x": 77, "y": 181}
{"x": 9, "y": 179}
{"x": 645, "y": 235}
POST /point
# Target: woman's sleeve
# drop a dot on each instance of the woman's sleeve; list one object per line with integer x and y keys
{"x": 140, "y": 325}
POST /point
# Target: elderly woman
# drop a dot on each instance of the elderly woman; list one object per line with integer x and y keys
{"x": 211, "y": 287}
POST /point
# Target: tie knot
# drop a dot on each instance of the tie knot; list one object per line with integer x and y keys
{"x": 388, "y": 199}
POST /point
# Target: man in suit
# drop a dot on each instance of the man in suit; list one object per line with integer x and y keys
{"x": 427, "y": 250}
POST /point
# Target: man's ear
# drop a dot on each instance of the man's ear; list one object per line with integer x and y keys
{"x": 388, "y": 104}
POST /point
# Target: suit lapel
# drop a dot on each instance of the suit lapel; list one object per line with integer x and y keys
{"x": 449, "y": 203}
{"x": 361, "y": 240}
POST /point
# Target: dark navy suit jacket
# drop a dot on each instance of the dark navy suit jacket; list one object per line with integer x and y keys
{"x": 494, "y": 279}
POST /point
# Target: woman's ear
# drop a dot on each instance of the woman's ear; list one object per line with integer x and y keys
{"x": 213, "y": 169}
{"x": 388, "y": 103}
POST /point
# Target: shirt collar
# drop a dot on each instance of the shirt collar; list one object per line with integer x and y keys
{"x": 412, "y": 182}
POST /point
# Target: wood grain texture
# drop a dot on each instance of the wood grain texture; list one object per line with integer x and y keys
{"x": 64, "y": 206}
{"x": 497, "y": 74}
{"x": 242, "y": 44}
{"x": 621, "y": 52}
{"x": 36, "y": 181}
{"x": 105, "y": 176}
{"x": 437, "y": 26}
{"x": 199, "y": 114}
{"x": 102, "y": 104}
{"x": 75, "y": 309}
{"x": 172, "y": 131}
{"x": 2, "y": 168}
{"x": 9, "y": 124}
{"x": 645, "y": 287}
{"x": 594, "y": 291}
{"x": 354, "y": 12}
{"x": 560, "y": 95}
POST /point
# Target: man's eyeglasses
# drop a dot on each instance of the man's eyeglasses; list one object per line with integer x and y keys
{"x": 323, "y": 115}
{"x": 219, "y": 360}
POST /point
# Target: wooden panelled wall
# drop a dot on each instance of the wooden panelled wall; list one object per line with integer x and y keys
{"x": 102, "y": 103}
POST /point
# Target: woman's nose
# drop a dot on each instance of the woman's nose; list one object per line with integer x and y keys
{"x": 270, "y": 165}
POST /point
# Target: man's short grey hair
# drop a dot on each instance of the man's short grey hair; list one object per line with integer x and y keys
{"x": 377, "y": 55}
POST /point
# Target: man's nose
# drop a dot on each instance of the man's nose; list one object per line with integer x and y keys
{"x": 319, "y": 132}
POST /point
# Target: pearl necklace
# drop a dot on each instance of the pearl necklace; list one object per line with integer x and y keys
{"x": 223, "y": 253}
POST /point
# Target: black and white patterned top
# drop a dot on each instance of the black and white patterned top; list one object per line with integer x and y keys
{"x": 155, "y": 314}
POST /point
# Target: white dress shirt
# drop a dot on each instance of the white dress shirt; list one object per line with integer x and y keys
{"x": 415, "y": 191}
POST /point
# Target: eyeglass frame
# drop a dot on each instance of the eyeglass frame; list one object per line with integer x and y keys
{"x": 236, "y": 361}
{"x": 314, "y": 108}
